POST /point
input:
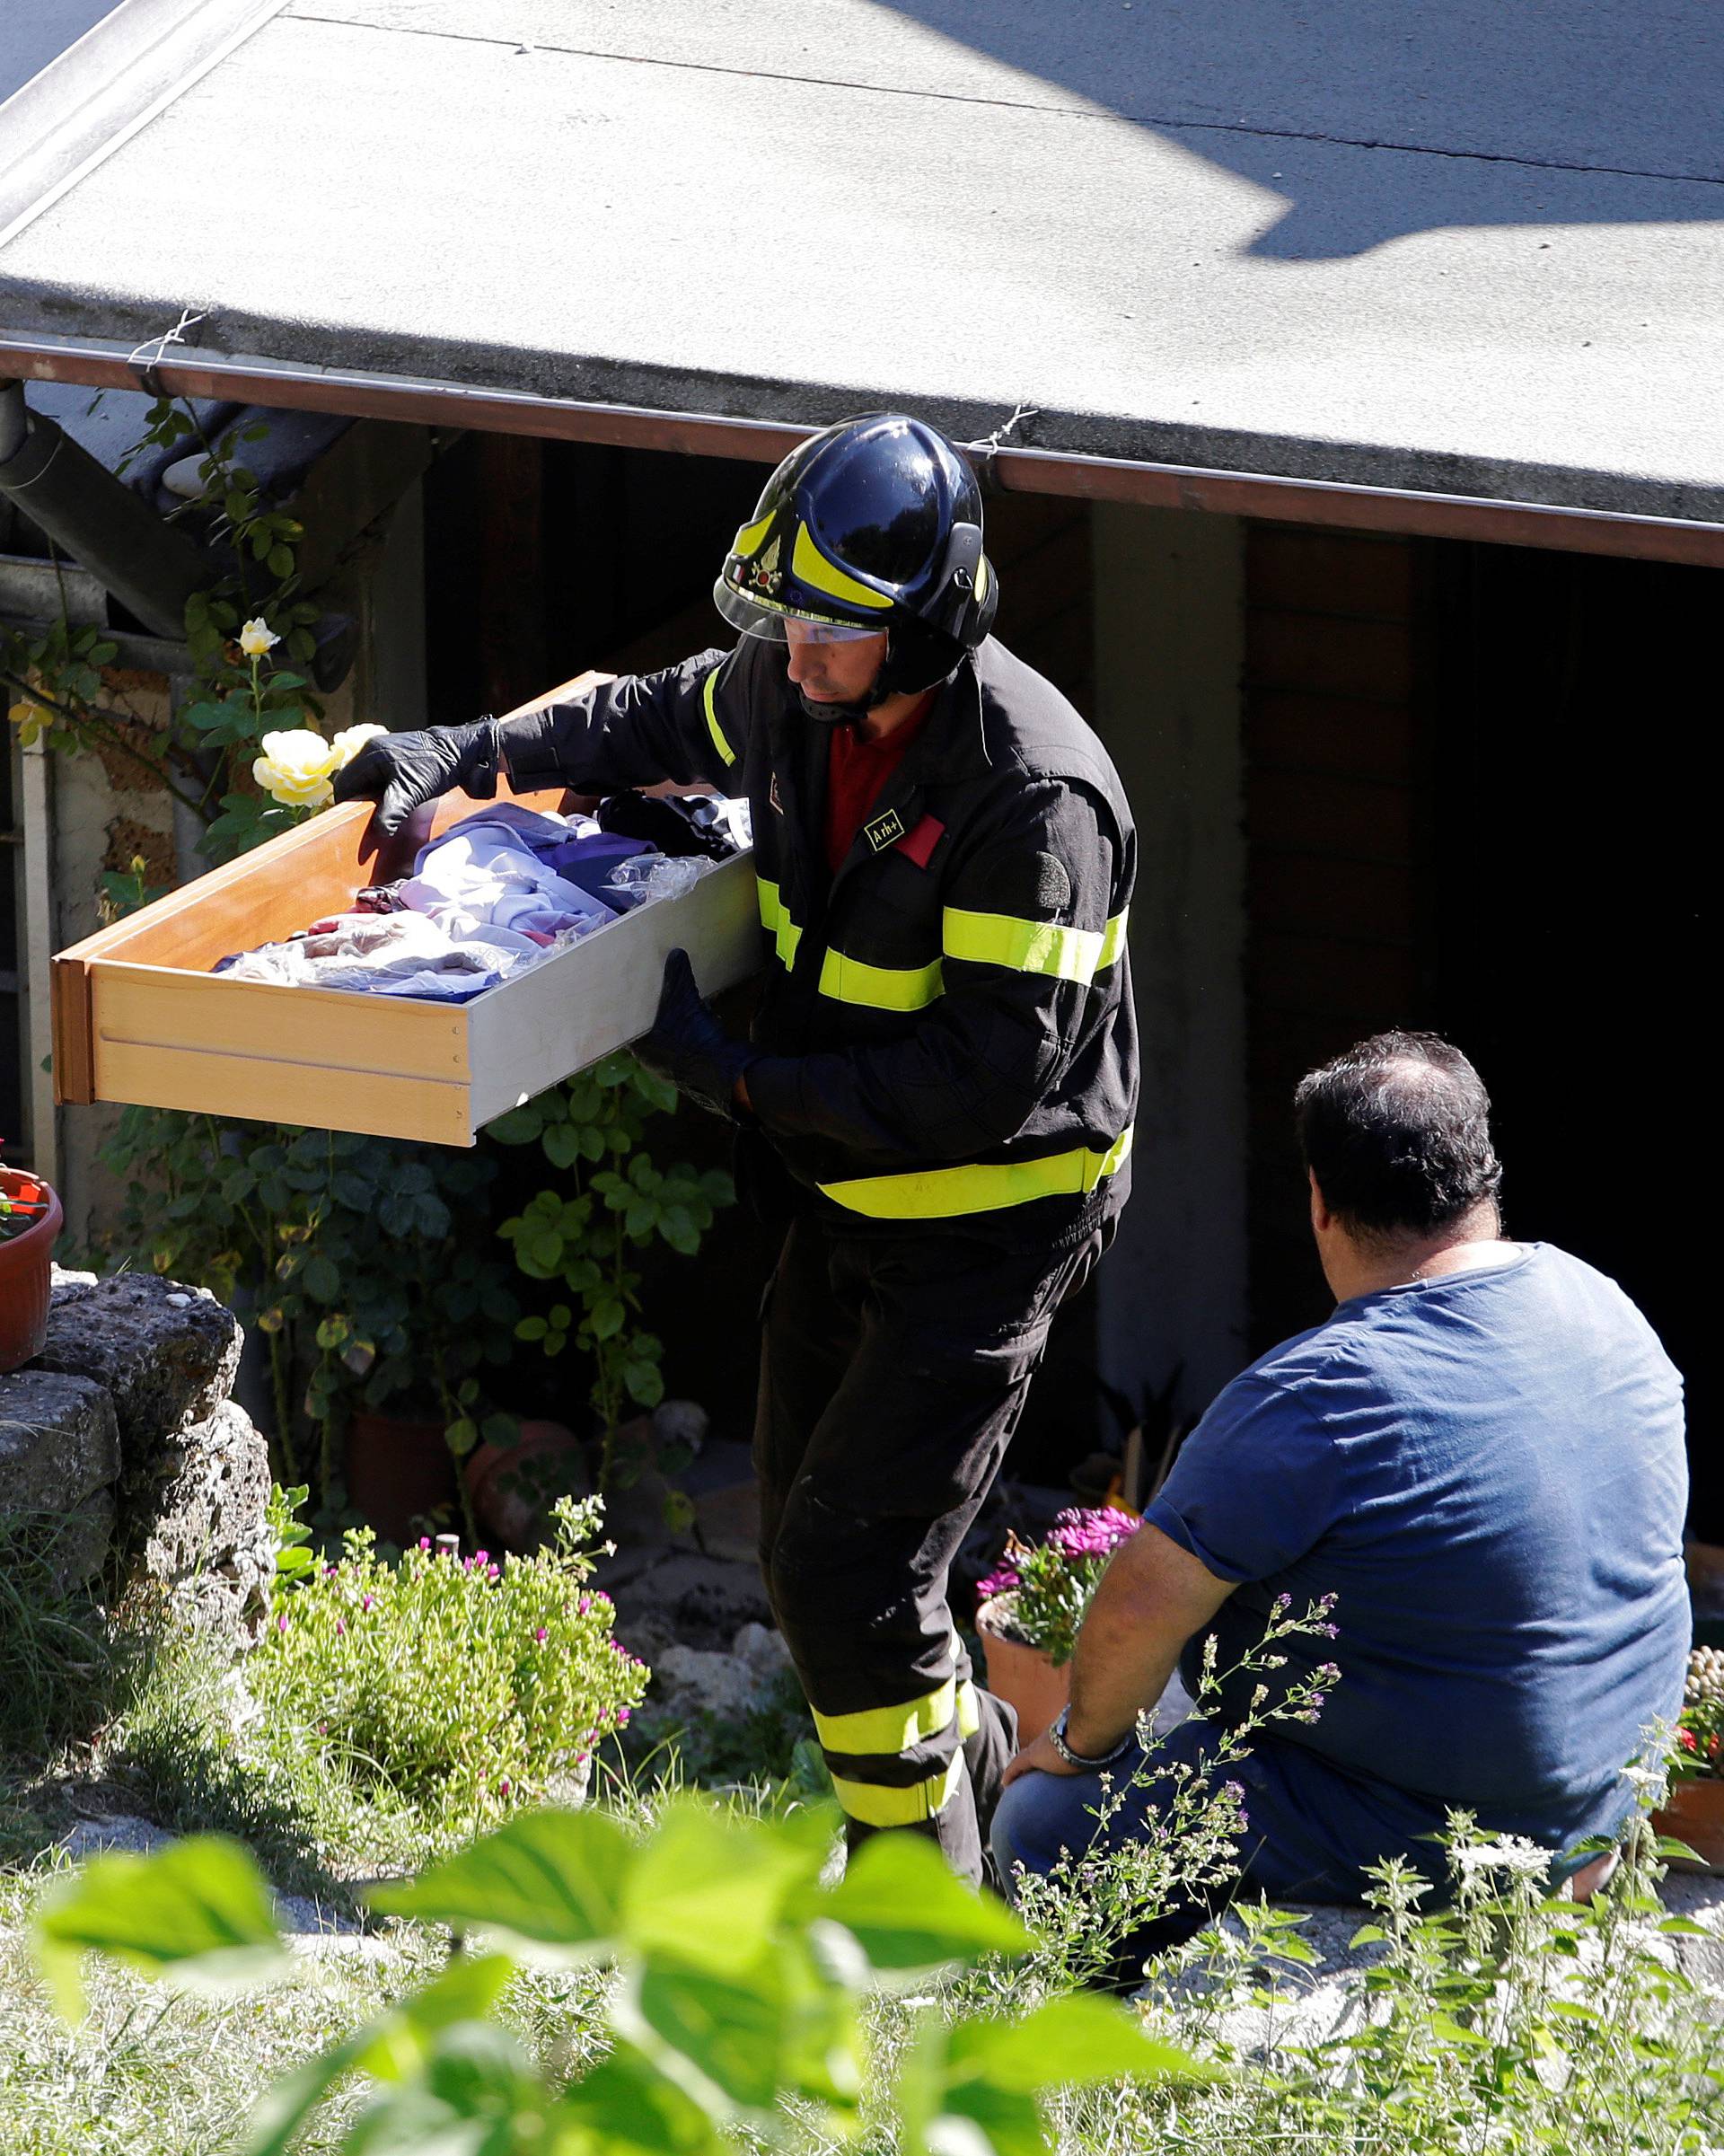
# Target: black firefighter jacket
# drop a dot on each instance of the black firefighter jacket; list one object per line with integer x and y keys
{"x": 945, "y": 1036}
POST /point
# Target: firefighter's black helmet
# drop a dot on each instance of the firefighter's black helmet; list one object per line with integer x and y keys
{"x": 875, "y": 524}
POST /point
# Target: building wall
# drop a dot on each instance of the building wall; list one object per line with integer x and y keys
{"x": 1169, "y": 606}
{"x": 1334, "y": 829}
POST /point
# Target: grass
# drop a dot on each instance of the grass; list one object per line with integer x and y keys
{"x": 1509, "y": 2026}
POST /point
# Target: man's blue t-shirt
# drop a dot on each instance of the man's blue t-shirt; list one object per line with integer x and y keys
{"x": 1488, "y": 1469}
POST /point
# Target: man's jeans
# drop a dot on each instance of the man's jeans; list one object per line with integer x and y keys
{"x": 1310, "y": 1828}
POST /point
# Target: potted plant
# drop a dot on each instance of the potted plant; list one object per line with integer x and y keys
{"x": 1033, "y": 1601}
{"x": 1695, "y": 1811}
{"x": 30, "y": 1222}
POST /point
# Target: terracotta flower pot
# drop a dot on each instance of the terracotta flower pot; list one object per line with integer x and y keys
{"x": 399, "y": 1469}
{"x": 25, "y": 1275}
{"x": 506, "y": 1483}
{"x": 1695, "y": 1815}
{"x": 1025, "y": 1677}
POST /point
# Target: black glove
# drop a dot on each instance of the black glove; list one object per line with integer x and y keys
{"x": 408, "y": 769}
{"x": 689, "y": 1046}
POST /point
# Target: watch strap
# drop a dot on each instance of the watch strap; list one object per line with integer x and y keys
{"x": 1057, "y": 1738}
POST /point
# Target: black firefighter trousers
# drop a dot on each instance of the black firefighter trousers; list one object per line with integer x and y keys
{"x": 893, "y": 1371}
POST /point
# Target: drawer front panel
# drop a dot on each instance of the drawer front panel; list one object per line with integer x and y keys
{"x": 537, "y": 1030}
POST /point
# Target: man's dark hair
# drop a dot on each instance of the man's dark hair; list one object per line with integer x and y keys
{"x": 1397, "y": 1132}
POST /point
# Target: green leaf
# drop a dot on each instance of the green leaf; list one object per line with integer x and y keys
{"x": 553, "y": 1878}
{"x": 562, "y": 1145}
{"x": 391, "y": 2048}
{"x": 907, "y": 1910}
{"x": 198, "y": 1911}
{"x": 644, "y": 1382}
{"x": 1366, "y": 1935}
{"x": 461, "y": 1435}
{"x": 1070, "y": 2043}
{"x": 607, "y": 1318}
{"x": 516, "y": 1125}
{"x": 630, "y": 2108}
{"x": 708, "y": 1891}
{"x": 322, "y": 1278}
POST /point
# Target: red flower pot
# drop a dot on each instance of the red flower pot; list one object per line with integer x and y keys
{"x": 506, "y": 1482}
{"x": 1695, "y": 1815}
{"x": 1025, "y": 1677}
{"x": 400, "y": 1470}
{"x": 24, "y": 1272}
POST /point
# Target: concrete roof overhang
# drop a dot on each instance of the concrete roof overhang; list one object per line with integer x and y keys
{"x": 1453, "y": 269}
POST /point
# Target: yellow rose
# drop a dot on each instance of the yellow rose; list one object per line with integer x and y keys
{"x": 255, "y": 638}
{"x": 295, "y": 766}
{"x": 350, "y": 740}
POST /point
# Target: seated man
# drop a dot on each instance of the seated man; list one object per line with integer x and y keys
{"x": 1478, "y": 1454}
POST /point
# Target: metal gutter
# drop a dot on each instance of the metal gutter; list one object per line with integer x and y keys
{"x": 182, "y": 372}
{"x": 102, "y": 89}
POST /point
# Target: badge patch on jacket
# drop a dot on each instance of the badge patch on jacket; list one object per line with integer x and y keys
{"x": 885, "y": 831}
{"x": 921, "y": 840}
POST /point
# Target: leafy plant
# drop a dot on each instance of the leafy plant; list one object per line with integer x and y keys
{"x": 60, "y": 1655}
{"x": 582, "y": 1233}
{"x": 462, "y": 1685}
{"x": 371, "y": 1262}
{"x": 1697, "y": 1749}
{"x": 64, "y": 696}
{"x": 23, "y": 1202}
{"x": 1040, "y": 1590}
{"x": 739, "y": 1993}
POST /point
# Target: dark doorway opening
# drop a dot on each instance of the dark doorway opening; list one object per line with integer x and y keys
{"x": 1475, "y": 803}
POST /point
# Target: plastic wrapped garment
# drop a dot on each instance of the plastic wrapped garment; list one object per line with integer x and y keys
{"x": 389, "y": 955}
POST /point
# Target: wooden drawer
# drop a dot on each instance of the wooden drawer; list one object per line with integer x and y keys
{"x": 139, "y": 1017}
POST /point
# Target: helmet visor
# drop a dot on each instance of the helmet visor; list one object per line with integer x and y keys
{"x": 760, "y": 618}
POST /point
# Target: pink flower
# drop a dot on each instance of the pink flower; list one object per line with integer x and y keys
{"x": 502, "y": 1787}
{"x": 584, "y": 1604}
{"x": 481, "y": 1557}
{"x": 281, "y": 1622}
{"x": 623, "y": 1718}
{"x": 341, "y": 1624}
{"x": 425, "y": 1541}
{"x": 367, "y": 1602}
{"x": 541, "y": 1634}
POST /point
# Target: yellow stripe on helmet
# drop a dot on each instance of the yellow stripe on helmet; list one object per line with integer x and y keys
{"x": 808, "y": 563}
{"x": 751, "y": 538}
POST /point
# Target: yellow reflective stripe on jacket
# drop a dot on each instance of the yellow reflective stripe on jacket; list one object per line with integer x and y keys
{"x": 709, "y": 689}
{"x": 939, "y": 1193}
{"x": 969, "y": 1711}
{"x": 1031, "y": 946}
{"x": 848, "y": 980}
{"x": 784, "y": 933}
{"x": 889, "y": 1729}
{"x": 872, "y": 1805}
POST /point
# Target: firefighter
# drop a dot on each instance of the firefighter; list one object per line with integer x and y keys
{"x": 939, "y": 1093}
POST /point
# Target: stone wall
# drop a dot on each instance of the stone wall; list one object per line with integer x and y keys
{"x": 123, "y": 1432}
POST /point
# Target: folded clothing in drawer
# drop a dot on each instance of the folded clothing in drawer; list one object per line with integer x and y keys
{"x": 500, "y": 891}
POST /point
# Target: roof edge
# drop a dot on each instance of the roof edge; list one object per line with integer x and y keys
{"x": 1084, "y": 459}
{"x": 106, "y": 86}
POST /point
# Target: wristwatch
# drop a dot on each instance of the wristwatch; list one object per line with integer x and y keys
{"x": 1057, "y": 1738}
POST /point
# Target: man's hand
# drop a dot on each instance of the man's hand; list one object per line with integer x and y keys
{"x": 1037, "y": 1758}
{"x": 408, "y": 769}
{"x": 689, "y": 1046}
